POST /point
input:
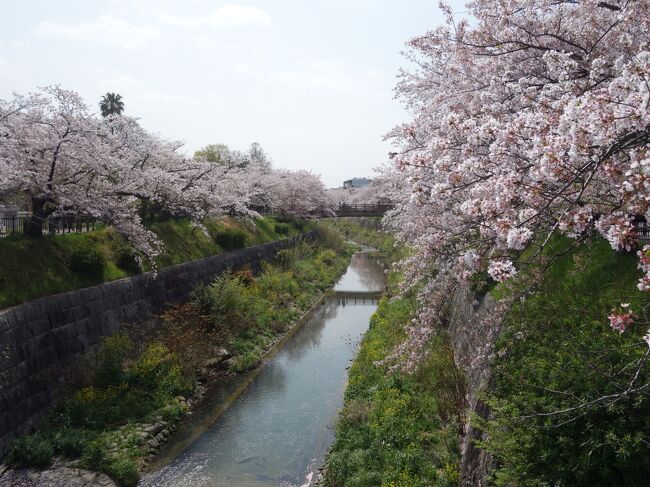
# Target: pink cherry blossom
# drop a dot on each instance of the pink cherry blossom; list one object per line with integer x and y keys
{"x": 65, "y": 159}
{"x": 620, "y": 320}
{"x": 529, "y": 117}
{"x": 501, "y": 270}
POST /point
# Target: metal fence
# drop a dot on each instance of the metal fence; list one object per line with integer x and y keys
{"x": 643, "y": 231}
{"x": 345, "y": 209}
{"x": 17, "y": 225}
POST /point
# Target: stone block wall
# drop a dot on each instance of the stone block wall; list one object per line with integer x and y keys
{"x": 40, "y": 338}
{"x": 474, "y": 326}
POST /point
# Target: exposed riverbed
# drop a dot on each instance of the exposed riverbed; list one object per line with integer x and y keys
{"x": 277, "y": 430}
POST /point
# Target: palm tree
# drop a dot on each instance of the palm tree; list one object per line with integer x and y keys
{"x": 111, "y": 104}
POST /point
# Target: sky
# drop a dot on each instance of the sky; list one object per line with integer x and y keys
{"x": 310, "y": 80}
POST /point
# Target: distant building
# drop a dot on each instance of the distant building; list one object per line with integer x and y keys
{"x": 356, "y": 183}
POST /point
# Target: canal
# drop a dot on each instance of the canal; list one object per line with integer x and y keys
{"x": 277, "y": 425}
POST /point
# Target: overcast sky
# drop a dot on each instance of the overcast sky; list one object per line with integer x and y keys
{"x": 310, "y": 80}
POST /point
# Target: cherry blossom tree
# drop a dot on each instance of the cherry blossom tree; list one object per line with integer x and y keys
{"x": 374, "y": 193}
{"x": 66, "y": 160}
{"x": 296, "y": 193}
{"x": 531, "y": 118}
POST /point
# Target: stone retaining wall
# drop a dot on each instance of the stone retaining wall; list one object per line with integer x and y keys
{"x": 40, "y": 338}
{"x": 474, "y": 326}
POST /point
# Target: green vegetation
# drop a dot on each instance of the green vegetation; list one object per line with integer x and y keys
{"x": 90, "y": 425}
{"x": 248, "y": 313}
{"x": 37, "y": 267}
{"x": 138, "y": 378}
{"x": 397, "y": 429}
{"x": 558, "y": 352}
{"x": 368, "y": 231}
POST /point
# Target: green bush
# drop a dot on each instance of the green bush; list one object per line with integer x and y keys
{"x": 557, "y": 352}
{"x": 282, "y": 229}
{"x": 71, "y": 442}
{"x": 87, "y": 262}
{"x": 231, "y": 239}
{"x": 33, "y": 450}
{"x": 481, "y": 282}
{"x": 157, "y": 370}
{"x": 94, "y": 455}
{"x": 228, "y": 301}
{"x": 301, "y": 251}
{"x": 127, "y": 259}
{"x": 110, "y": 359}
{"x": 124, "y": 471}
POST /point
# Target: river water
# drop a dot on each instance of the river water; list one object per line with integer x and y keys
{"x": 278, "y": 429}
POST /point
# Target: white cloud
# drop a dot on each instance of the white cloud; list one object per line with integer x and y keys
{"x": 107, "y": 30}
{"x": 4, "y": 63}
{"x": 120, "y": 83}
{"x": 226, "y": 16}
{"x": 14, "y": 44}
{"x": 112, "y": 30}
{"x": 319, "y": 75}
{"x": 166, "y": 98}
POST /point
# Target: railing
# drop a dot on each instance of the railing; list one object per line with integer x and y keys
{"x": 643, "y": 231}
{"x": 17, "y": 225}
{"x": 345, "y": 209}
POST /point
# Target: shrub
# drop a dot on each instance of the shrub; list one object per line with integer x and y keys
{"x": 127, "y": 259}
{"x": 71, "y": 442}
{"x": 301, "y": 251}
{"x": 330, "y": 238}
{"x": 228, "y": 301}
{"x": 124, "y": 471}
{"x": 96, "y": 407}
{"x": 87, "y": 262}
{"x": 32, "y": 450}
{"x": 557, "y": 351}
{"x": 172, "y": 412}
{"x": 202, "y": 299}
{"x": 282, "y": 229}
{"x": 157, "y": 370}
{"x": 231, "y": 239}
{"x": 110, "y": 360}
{"x": 94, "y": 456}
{"x": 246, "y": 361}
{"x": 481, "y": 282}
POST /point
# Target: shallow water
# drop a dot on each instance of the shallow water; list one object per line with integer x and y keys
{"x": 277, "y": 431}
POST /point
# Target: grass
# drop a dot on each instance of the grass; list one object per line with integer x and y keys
{"x": 397, "y": 429}
{"x": 38, "y": 267}
{"x": 138, "y": 377}
{"x": 557, "y": 351}
{"x": 247, "y": 313}
{"x": 95, "y": 426}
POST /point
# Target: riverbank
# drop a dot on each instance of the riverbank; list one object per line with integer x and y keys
{"x": 143, "y": 382}
{"x": 395, "y": 428}
{"x": 38, "y": 267}
{"x": 278, "y": 428}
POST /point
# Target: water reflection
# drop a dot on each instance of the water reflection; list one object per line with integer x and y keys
{"x": 278, "y": 430}
{"x": 365, "y": 273}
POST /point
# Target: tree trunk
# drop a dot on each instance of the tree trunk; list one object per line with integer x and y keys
{"x": 34, "y": 223}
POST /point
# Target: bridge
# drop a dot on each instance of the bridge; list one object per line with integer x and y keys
{"x": 356, "y": 297}
{"x": 344, "y": 209}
